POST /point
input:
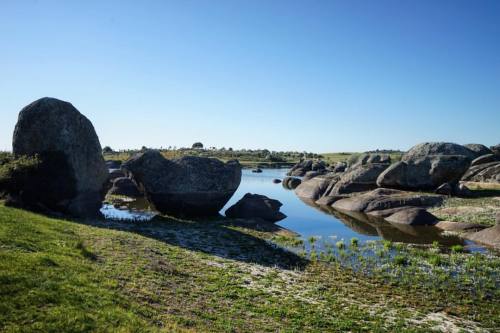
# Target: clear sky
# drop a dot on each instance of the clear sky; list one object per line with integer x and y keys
{"x": 320, "y": 76}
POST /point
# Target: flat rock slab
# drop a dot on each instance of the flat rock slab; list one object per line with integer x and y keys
{"x": 458, "y": 226}
{"x": 384, "y": 199}
{"x": 412, "y": 216}
{"x": 488, "y": 236}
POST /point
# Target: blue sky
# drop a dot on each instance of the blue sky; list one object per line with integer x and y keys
{"x": 311, "y": 75}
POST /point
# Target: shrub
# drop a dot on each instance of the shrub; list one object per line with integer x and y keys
{"x": 40, "y": 181}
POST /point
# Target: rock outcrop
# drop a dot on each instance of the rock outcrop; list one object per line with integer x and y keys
{"x": 427, "y": 166}
{"x": 302, "y": 167}
{"x": 483, "y": 173}
{"x": 189, "y": 186}
{"x": 361, "y": 178}
{"x": 367, "y": 158}
{"x": 316, "y": 187}
{"x": 73, "y": 175}
{"x": 488, "y": 158}
{"x": 256, "y": 206}
{"x": 385, "y": 202}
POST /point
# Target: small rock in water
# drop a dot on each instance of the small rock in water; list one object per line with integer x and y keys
{"x": 276, "y": 181}
{"x": 256, "y": 206}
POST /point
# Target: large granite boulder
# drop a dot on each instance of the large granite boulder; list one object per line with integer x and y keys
{"x": 316, "y": 187}
{"x": 72, "y": 174}
{"x": 478, "y": 149}
{"x": 386, "y": 201}
{"x": 256, "y": 206}
{"x": 360, "y": 178}
{"x": 189, "y": 186}
{"x": 437, "y": 148}
{"x": 427, "y": 166}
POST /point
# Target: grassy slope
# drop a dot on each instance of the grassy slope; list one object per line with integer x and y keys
{"x": 58, "y": 276}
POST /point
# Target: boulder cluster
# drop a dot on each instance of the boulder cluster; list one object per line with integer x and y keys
{"x": 397, "y": 192}
{"x": 63, "y": 170}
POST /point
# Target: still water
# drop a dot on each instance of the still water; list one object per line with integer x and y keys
{"x": 308, "y": 220}
{"x": 324, "y": 223}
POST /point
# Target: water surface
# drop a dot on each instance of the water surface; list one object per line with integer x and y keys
{"x": 308, "y": 220}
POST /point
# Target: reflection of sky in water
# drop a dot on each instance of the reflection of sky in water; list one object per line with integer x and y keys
{"x": 110, "y": 212}
{"x": 301, "y": 218}
{"x": 309, "y": 221}
{"x": 305, "y": 220}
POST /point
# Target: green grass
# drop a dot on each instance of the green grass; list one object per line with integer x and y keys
{"x": 480, "y": 210}
{"x": 175, "y": 275}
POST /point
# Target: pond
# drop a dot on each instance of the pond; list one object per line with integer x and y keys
{"x": 310, "y": 221}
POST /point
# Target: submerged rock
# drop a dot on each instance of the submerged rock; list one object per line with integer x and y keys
{"x": 256, "y": 206}
{"x": 73, "y": 174}
{"x": 276, "y": 181}
{"x": 189, "y": 186}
